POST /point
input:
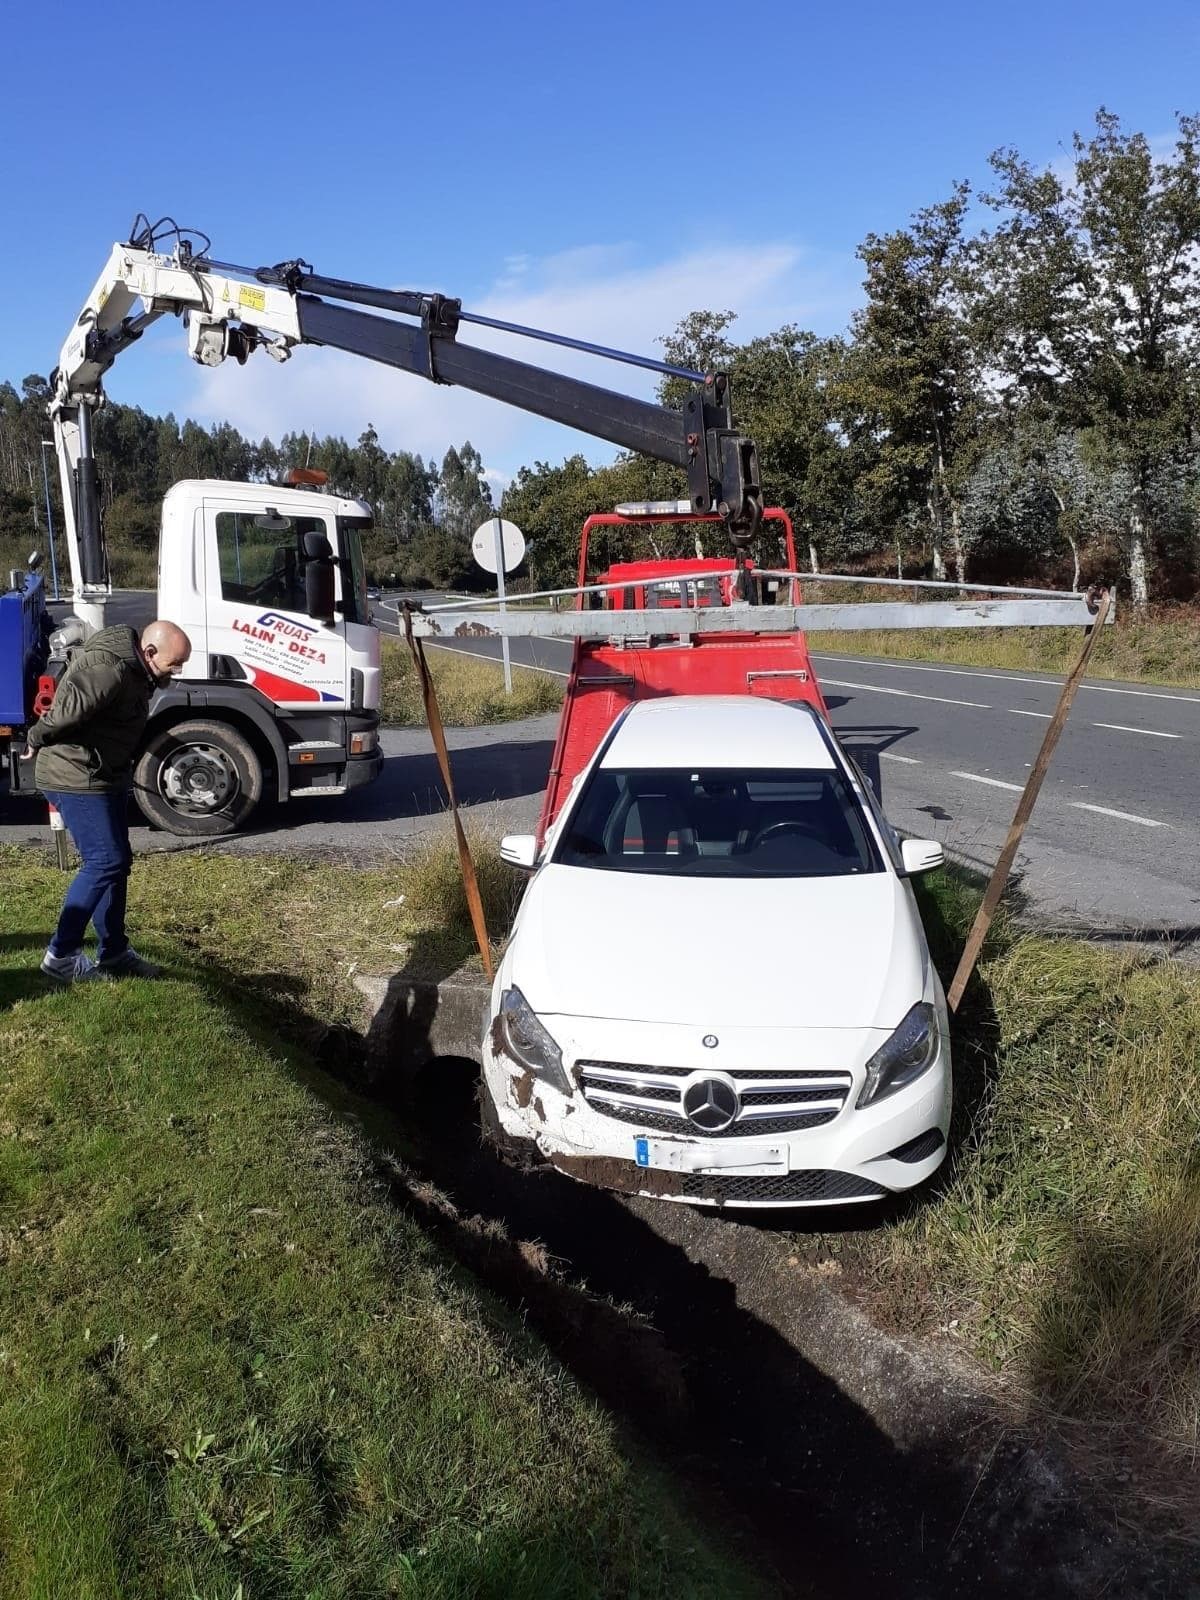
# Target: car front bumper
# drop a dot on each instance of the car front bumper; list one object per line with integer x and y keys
{"x": 856, "y": 1157}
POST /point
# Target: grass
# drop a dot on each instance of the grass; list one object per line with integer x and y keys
{"x": 1062, "y": 1244}
{"x": 230, "y": 1365}
{"x": 470, "y": 691}
{"x": 1164, "y": 650}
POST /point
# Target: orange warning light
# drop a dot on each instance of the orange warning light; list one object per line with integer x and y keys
{"x": 306, "y": 475}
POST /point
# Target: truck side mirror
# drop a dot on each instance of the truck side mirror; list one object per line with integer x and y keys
{"x": 318, "y": 577}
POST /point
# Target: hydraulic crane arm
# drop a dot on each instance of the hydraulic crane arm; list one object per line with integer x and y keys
{"x": 232, "y": 310}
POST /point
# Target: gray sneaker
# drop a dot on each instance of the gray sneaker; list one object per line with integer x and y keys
{"x": 67, "y": 969}
{"x": 128, "y": 965}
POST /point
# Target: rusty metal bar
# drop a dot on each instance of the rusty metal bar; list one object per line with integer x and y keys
{"x": 999, "y": 878}
{"x": 437, "y": 731}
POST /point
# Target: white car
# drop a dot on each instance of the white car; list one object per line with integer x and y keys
{"x": 718, "y": 988}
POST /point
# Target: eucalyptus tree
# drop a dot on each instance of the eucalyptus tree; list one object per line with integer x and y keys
{"x": 914, "y": 370}
{"x": 787, "y": 391}
{"x": 1086, "y": 296}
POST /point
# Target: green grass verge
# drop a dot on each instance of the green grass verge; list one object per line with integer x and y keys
{"x": 1165, "y": 651}
{"x": 1062, "y": 1243}
{"x": 230, "y": 1366}
{"x": 470, "y": 691}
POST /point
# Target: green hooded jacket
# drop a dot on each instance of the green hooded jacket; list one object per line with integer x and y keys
{"x": 87, "y": 740}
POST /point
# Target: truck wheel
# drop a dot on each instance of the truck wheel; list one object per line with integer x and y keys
{"x": 198, "y": 778}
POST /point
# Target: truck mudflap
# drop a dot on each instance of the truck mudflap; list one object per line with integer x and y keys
{"x": 363, "y": 769}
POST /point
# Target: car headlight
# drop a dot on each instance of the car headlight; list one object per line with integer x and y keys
{"x": 527, "y": 1040}
{"x": 906, "y": 1055}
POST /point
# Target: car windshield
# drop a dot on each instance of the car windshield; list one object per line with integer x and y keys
{"x": 719, "y": 823}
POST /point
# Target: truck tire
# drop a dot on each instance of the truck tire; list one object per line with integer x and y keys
{"x": 201, "y": 779}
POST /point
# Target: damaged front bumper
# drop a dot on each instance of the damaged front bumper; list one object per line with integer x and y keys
{"x": 852, "y": 1157}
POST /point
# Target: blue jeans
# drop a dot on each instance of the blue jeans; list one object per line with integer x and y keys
{"x": 100, "y": 828}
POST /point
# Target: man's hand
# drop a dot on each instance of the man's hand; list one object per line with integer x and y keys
{"x": 28, "y": 755}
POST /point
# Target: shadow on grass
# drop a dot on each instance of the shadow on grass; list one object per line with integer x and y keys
{"x": 24, "y": 982}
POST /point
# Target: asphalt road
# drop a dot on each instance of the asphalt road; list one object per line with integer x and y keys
{"x": 1114, "y": 842}
{"x": 1115, "y": 838}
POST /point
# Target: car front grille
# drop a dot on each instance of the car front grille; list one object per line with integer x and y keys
{"x": 784, "y": 1101}
{"x": 780, "y": 1187}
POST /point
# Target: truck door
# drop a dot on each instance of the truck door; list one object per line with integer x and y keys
{"x": 258, "y": 628}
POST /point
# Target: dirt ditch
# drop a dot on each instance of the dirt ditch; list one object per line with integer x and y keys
{"x": 707, "y": 1340}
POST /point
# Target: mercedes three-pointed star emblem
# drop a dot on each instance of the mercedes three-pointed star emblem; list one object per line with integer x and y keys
{"x": 711, "y": 1104}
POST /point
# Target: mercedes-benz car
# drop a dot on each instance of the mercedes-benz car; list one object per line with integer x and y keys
{"x": 718, "y": 987}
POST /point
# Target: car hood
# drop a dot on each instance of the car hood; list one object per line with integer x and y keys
{"x": 768, "y": 952}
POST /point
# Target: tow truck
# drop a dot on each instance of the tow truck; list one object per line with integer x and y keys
{"x": 280, "y": 698}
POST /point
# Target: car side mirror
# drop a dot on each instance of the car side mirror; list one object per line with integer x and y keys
{"x": 921, "y": 855}
{"x": 519, "y": 850}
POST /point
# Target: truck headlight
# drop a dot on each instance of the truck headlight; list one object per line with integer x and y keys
{"x": 526, "y": 1039}
{"x": 904, "y": 1057}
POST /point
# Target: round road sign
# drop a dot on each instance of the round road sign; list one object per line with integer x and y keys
{"x": 511, "y": 541}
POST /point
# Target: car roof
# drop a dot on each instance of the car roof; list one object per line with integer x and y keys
{"x": 719, "y": 730}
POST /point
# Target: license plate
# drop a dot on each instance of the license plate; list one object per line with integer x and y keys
{"x": 734, "y": 1155}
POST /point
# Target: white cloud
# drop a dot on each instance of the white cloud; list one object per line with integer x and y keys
{"x": 602, "y": 293}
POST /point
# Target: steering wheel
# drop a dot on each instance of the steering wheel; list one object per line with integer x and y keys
{"x": 272, "y": 587}
{"x": 787, "y": 825}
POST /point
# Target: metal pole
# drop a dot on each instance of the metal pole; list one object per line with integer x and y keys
{"x": 50, "y": 517}
{"x": 497, "y": 529}
{"x": 1033, "y": 787}
{"x": 916, "y": 583}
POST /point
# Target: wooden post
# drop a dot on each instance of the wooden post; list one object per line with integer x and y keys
{"x": 433, "y": 716}
{"x": 999, "y": 878}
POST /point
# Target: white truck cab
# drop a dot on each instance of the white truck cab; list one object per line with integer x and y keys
{"x": 275, "y": 702}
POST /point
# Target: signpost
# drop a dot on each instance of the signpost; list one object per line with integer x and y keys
{"x": 499, "y": 547}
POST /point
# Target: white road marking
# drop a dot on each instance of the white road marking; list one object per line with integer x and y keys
{"x": 494, "y": 661}
{"x": 908, "y": 694}
{"x": 1044, "y": 715}
{"x": 1122, "y": 816}
{"x": 1009, "y": 677}
{"x": 996, "y": 783}
{"x": 909, "y": 761}
{"x": 1119, "y": 727}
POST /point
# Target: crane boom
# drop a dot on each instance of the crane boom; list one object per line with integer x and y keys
{"x": 233, "y": 310}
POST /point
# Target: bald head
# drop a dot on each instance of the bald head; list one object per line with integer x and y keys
{"x": 165, "y": 648}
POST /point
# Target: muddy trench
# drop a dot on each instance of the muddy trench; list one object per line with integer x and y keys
{"x": 674, "y": 1318}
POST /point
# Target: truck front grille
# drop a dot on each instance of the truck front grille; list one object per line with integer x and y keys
{"x": 784, "y": 1101}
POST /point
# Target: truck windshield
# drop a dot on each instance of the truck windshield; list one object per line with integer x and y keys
{"x": 354, "y": 570}
{"x": 719, "y": 823}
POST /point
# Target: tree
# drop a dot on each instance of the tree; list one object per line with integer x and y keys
{"x": 913, "y": 370}
{"x": 1087, "y": 298}
{"x": 785, "y": 393}
{"x": 550, "y": 505}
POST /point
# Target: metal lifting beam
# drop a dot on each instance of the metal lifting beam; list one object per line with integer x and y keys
{"x": 1071, "y": 611}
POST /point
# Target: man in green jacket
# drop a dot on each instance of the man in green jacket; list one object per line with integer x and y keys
{"x": 85, "y": 747}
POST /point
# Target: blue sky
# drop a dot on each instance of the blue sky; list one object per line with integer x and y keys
{"x": 599, "y": 169}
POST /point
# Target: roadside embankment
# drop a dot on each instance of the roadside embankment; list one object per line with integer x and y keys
{"x": 1046, "y": 1285}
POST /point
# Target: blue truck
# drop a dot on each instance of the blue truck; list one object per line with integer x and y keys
{"x": 25, "y": 626}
